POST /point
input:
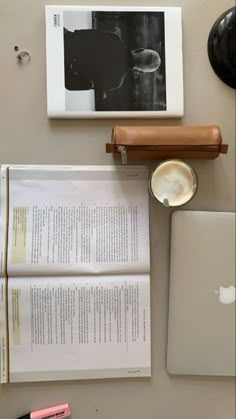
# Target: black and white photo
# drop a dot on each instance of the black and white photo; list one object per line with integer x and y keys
{"x": 113, "y": 62}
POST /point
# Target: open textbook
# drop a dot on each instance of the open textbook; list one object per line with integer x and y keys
{"x": 75, "y": 297}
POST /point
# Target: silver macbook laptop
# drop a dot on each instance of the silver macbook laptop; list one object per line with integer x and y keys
{"x": 201, "y": 332}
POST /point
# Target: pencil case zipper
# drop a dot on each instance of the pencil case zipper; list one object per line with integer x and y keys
{"x": 123, "y": 149}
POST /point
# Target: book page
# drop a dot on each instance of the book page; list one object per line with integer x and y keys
{"x": 3, "y": 277}
{"x": 3, "y": 332}
{"x": 78, "y": 220}
{"x": 79, "y": 327}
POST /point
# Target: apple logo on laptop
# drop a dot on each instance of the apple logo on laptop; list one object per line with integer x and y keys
{"x": 226, "y": 295}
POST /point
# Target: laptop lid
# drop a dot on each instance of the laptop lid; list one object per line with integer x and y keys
{"x": 201, "y": 330}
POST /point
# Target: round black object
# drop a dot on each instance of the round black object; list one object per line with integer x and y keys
{"x": 222, "y": 47}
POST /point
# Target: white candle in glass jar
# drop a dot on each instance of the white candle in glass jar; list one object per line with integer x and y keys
{"x": 173, "y": 183}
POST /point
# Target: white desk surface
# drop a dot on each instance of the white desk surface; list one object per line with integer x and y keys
{"x": 27, "y": 136}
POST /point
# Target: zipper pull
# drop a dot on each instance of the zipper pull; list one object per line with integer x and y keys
{"x": 122, "y": 151}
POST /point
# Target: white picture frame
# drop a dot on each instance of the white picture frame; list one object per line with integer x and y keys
{"x": 102, "y": 91}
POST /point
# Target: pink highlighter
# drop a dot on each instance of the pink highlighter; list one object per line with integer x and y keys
{"x": 57, "y": 412}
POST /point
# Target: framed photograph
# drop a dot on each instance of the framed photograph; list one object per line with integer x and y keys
{"x": 108, "y": 62}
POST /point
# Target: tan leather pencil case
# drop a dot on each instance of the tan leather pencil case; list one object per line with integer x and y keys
{"x": 166, "y": 142}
